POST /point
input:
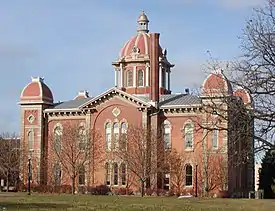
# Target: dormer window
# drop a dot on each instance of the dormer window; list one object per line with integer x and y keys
{"x": 140, "y": 78}
{"x": 130, "y": 78}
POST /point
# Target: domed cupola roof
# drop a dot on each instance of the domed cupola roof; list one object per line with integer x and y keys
{"x": 36, "y": 92}
{"x": 138, "y": 46}
{"x": 216, "y": 84}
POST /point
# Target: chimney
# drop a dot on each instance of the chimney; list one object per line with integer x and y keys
{"x": 82, "y": 94}
{"x": 154, "y": 68}
{"x": 187, "y": 91}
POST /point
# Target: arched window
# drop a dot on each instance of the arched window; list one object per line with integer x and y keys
{"x": 140, "y": 78}
{"x": 130, "y": 78}
{"x": 115, "y": 168}
{"x": 57, "y": 138}
{"x": 167, "y": 134}
{"x": 82, "y": 142}
{"x": 116, "y": 136}
{"x": 38, "y": 174}
{"x": 107, "y": 174}
{"x": 81, "y": 175}
{"x": 57, "y": 174}
{"x": 31, "y": 140}
{"x": 123, "y": 173}
{"x": 215, "y": 139}
{"x": 108, "y": 136}
{"x": 188, "y": 135}
{"x": 188, "y": 175}
{"x": 123, "y": 135}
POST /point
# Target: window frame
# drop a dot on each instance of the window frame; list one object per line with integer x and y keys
{"x": 167, "y": 129}
{"x": 140, "y": 79}
{"x": 130, "y": 78}
{"x": 30, "y": 135}
{"x": 215, "y": 139}
{"x": 116, "y": 130}
{"x": 108, "y": 136}
{"x": 188, "y": 175}
{"x": 115, "y": 174}
{"x": 107, "y": 173}
{"x": 188, "y": 133}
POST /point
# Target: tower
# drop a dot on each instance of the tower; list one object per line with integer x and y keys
{"x": 35, "y": 97}
{"x": 133, "y": 70}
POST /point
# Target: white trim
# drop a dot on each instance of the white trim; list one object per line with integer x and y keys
{"x": 49, "y": 110}
{"x": 160, "y": 77}
{"x": 121, "y": 75}
{"x": 135, "y": 76}
{"x": 116, "y": 77}
{"x": 137, "y": 39}
{"x": 114, "y": 90}
{"x": 128, "y": 44}
{"x": 143, "y": 77}
{"x": 120, "y": 53}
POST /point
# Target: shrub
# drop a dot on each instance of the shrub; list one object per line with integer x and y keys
{"x": 122, "y": 191}
{"x": 99, "y": 190}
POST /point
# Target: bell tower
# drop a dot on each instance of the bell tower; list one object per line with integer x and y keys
{"x": 34, "y": 99}
{"x": 133, "y": 68}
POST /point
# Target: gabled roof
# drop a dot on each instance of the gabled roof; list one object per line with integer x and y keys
{"x": 169, "y": 100}
{"x": 116, "y": 91}
{"x": 176, "y": 100}
{"x": 71, "y": 103}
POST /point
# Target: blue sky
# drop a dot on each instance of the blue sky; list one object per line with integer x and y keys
{"x": 71, "y": 43}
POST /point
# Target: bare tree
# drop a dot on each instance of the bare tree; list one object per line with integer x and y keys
{"x": 143, "y": 153}
{"x": 176, "y": 162}
{"x": 255, "y": 71}
{"x": 10, "y": 158}
{"x": 214, "y": 171}
{"x": 75, "y": 150}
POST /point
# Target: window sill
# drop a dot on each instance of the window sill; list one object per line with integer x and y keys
{"x": 189, "y": 149}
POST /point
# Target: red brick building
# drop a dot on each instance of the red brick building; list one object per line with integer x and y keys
{"x": 142, "y": 95}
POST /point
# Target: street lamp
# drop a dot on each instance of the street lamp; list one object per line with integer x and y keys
{"x": 29, "y": 176}
{"x": 196, "y": 190}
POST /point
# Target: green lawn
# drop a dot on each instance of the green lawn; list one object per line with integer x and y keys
{"x": 21, "y": 201}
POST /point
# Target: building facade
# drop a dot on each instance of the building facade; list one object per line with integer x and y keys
{"x": 142, "y": 96}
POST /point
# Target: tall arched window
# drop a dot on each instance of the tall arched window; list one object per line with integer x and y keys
{"x": 116, "y": 136}
{"x": 108, "y": 136}
{"x": 123, "y": 173}
{"x": 215, "y": 139}
{"x": 107, "y": 174}
{"x": 167, "y": 134}
{"x": 82, "y": 142}
{"x": 115, "y": 168}
{"x": 140, "y": 78}
{"x": 123, "y": 135}
{"x": 81, "y": 175}
{"x": 57, "y": 138}
{"x": 31, "y": 140}
{"x": 129, "y": 78}
{"x": 57, "y": 174}
{"x": 188, "y": 175}
{"x": 189, "y": 135}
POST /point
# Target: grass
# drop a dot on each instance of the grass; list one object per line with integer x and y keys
{"x": 22, "y": 202}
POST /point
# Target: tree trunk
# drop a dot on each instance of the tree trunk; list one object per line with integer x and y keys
{"x": 73, "y": 184}
{"x": 142, "y": 188}
{"x": 8, "y": 183}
